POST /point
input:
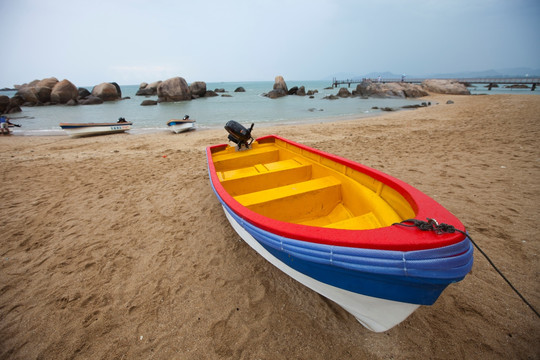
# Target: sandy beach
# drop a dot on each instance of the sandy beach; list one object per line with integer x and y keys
{"x": 115, "y": 247}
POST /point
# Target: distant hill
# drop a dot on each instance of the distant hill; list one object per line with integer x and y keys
{"x": 499, "y": 73}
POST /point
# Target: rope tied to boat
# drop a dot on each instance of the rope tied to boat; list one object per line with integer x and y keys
{"x": 433, "y": 225}
{"x": 430, "y": 225}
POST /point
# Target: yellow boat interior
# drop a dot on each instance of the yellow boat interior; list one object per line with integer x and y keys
{"x": 288, "y": 183}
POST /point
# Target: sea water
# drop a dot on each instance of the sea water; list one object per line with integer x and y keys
{"x": 246, "y": 107}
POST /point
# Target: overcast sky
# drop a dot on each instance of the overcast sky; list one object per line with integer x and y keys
{"x": 89, "y": 42}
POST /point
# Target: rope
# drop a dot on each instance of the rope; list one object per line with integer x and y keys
{"x": 433, "y": 225}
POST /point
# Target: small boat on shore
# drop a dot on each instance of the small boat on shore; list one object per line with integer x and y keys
{"x": 179, "y": 126}
{"x": 93, "y": 129}
{"x": 336, "y": 226}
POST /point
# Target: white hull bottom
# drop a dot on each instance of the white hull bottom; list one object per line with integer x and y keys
{"x": 182, "y": 127}
{"x": 93, "y": 131}
{"x": 375, "y": 314}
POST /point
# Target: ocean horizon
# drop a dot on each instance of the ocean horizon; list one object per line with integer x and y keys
{"x": 212, "y": 112}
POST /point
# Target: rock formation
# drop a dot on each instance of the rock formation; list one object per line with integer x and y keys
{"x": 343, "y": 92}
{"x": 146, "y": 89}
{"x": 368, "y": 88}
{"x": 280, "y": 88}
{"x": 197, "y": 89}
{"x": 106, "y": 91}
{"x": 90, "y": 100}
{"x": 450, "y": 87}
{"x": 174, "y": 89}
{"x": 64, "y": 91}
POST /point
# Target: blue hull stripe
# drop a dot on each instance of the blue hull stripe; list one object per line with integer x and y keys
{"x": 416, "y": 277}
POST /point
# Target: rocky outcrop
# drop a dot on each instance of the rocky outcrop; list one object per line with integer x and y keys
{"x": 197, "y": 89}
{"x": 450, "y": 87}
{"x": 343, "y": 92}
{"x": 174, "y": 89}
{"x": 90, "y": 100}
{"x": 368, "y": 88}
{"x": 210, "y": 93}
{"x": 292, "y": 91}
{"x": 240, "y": 89}
{"x": 149, "y": 102}
{"x": 107, "y": 91}
{"x": 28, "y": 94}
{"x": 146, "y": 89}
{"x": 83, "y": 92}
{"x": 4, "y": 104}
{"x": 64, "y": 91}
{"x": 44, "y": 88}
{"x": 279, "y": 89}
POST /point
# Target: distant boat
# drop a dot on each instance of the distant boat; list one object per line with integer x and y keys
{"x": 93, "y": 129}
{"x": 183, "y": 125}
{"x": 335, "y": 226}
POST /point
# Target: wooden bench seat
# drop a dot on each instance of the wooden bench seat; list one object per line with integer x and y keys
{"x": 295, "y": 202}
{"x": 265, "y": 176}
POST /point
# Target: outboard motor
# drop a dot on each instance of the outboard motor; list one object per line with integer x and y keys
{"x": 239, "y": 134}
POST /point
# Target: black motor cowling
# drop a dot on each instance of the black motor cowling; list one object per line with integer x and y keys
{"x": 239, "y": 134}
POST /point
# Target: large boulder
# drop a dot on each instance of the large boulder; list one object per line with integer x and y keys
{"x": 146, "y": 89}
{"x": 28, "y": 94}
{"x": 274, "y": 94}
{"x": 440, "y": 86}
{"x": 279, "y": 89}
{"x": 4, "y": 104}
{"x": 106, "y": 92}
{"x": 64, "y": 91}
{"x": 368, "y": 88}
{"x": 48, "y": 82}
{"x": 90, "y": 100}
{"x": 174, "y": 89}
{"x": 118, "y": 90}
{"x": 279, "y": 83}
{"x": 44, "y": 88}
{"x": 83, "y": 92}
{"x": 198, "y": 89}
{"x": 7, "y": 106}
{"x": 343, "y": 92}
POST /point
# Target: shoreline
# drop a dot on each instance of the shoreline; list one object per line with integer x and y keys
{"x": 115, "y": 246}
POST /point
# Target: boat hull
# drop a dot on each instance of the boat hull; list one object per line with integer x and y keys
{"x": 94, "y": 129}
{"x": 374, "y": 313}
{"x": 180, "y": 126}
{"x": 380, "y": 286}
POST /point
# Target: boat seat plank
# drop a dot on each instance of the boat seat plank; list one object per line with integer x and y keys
{"x": 308, "y": 199}
{"x": 239, "y": 159}
{"x": 262, "y": 177}
{"x": 362, "y": 222}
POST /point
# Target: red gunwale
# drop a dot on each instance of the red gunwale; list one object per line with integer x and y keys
{"x": 387, "y": 238}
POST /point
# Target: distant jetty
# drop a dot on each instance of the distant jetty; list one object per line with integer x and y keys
{"x": 533, "y": 81}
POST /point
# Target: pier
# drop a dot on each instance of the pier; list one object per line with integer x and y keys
{"x": 533, "y": 81}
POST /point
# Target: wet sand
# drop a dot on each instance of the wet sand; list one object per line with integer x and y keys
{"x": 115, "y": 246}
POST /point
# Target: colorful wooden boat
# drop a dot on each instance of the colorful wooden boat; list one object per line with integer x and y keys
{"x": 92, "y": 129}
{"x": 330, "y": 224}
{"x": 179, "y": 126}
